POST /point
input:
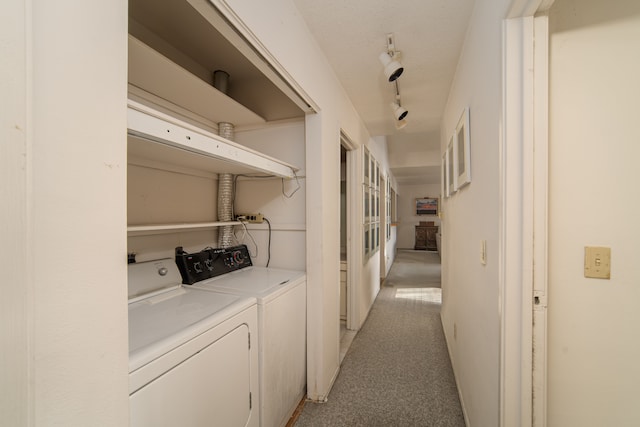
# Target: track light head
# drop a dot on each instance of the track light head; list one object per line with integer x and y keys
{"x": 398, "y": 111}
{"x": 401, "y": 124}
{"x": 392, "y": 68}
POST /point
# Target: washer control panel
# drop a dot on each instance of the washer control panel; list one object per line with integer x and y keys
{"x": 211, "y": 262}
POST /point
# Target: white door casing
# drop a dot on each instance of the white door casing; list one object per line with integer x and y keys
{"x": 523, "y": 222}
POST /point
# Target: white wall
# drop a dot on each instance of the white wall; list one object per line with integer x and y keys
{"x": 470, "y": 310}
{"x": 281, "y": 29}
{"x": 284, "y": 141}
{"x": 69, "y": 216}
{"x": 149, "y": 188}
{"x": 392, "y": 248}
{"x": 16, "y": 288}
{"x": 371, "y": 269}
{"x": 415, "y": 150}
{"x": 378, "y": 148}
{"x": 593, "y": 350}
{"x": 407, "y": 218}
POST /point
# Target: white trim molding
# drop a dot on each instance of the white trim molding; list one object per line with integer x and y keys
{"x": 523, "y": 215}
{"x": 240, "y": 35}
{"x": 515, "y": 286}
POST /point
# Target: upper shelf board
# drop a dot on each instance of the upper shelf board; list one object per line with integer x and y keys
{"x": 154, "y": 73}
{"x": 143, "y": 230}
{"x": 162, "y": 138}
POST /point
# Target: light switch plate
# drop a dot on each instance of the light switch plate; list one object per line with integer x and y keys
{"x": 597, "y": 262}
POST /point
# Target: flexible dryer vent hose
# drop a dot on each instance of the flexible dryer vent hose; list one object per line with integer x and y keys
{"x": 225, "y": 194}
{"x": 225, "y": 180}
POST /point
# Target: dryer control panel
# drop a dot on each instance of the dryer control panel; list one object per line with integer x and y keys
{"x": 234, "y": 258}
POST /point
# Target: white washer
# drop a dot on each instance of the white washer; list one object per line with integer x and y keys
{"x": 281, "y": 296}
{"x": 193, "y": 356}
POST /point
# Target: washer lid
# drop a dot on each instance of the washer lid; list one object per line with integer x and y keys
{"x": 150, "y": 276}
{"x": 164, "y": 321}
{"x": 260, "y": 282}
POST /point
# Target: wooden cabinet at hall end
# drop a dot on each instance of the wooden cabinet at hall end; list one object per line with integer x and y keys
{"x": 425, "y": 238}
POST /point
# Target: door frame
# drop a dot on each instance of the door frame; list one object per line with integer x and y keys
{"x": 382, "y": 202}
{"x": 353, "y": 248}
{"x": 523, "y": 214}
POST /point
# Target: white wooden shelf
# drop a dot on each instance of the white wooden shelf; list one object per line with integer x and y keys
{"x": 154, "y": 73}
{"x": 164, "y": 139}
{"x": 143, "y": 230}
{"x": 159, "y": 136}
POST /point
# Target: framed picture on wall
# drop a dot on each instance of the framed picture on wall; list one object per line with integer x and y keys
{"x": 427, "y": 206}
{"x": 451, "y": 184}
{"x": 461, "y": 151}
{"x": 372, "y": 171}
{"x": 366, "y": 243}
{"x": 366, "y": 205}
{"x": 444, "y": 188}
{"x": 366, "y": 166}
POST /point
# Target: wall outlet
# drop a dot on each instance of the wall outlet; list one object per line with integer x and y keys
{"x": 253, "y": 218}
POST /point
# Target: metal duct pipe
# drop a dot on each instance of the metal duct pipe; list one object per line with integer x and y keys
{"x": 225, "y": 211}
{"x": 226, "y": 130}
{"x": 225, "y": 180}
{"x": 225, "y": 194}
{"x": 221, "y": 81}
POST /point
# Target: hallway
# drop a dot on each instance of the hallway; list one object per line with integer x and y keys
{"x": 397, "y": 371}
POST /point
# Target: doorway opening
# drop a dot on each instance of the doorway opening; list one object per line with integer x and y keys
{"x": 384, "y": 258}
{"x": 346, "y": 253}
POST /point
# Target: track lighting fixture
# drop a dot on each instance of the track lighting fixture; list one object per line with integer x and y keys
{"x": 392, "y": 68}
{"x": 398, "y": 112}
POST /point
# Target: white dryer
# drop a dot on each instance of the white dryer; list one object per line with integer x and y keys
{"x": 281, "y": 297}
{"x": 193, "y": 356}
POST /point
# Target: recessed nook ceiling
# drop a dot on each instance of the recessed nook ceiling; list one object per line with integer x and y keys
{"x": 201, "y": 49}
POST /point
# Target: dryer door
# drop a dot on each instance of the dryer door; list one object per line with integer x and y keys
{"x": 211, "y": 388}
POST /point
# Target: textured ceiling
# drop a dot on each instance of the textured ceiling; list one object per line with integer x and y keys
{"x": 429, "y": 35}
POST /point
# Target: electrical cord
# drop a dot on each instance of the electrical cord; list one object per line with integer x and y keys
{"x": 233, "y": 191}
{"x": 243, "y": 221}
{"x": 268, "y": 244}
{"x": 284, "y": 193}
{"x": 239, "y": 240}
{"x": 288, "y": 196}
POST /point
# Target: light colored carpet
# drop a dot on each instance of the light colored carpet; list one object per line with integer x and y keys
{"x": 397, "y": 371}
{"x": 415, "y": 269}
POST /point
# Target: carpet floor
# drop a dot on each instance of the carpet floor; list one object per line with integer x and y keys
{"x": 397, "y": 371}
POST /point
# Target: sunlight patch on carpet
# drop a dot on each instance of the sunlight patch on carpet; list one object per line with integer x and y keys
{"x": 433, "y": 295}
